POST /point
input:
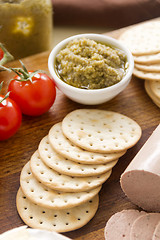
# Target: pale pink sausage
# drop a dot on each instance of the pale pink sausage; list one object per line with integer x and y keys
{"x": 141, "y": 179}
{"x": 144, "y": 226}
{"x": 119, "y": 225}
{"x": 156, "y": 234}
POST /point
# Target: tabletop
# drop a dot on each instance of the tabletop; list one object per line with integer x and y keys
{"x": 15, "y": 152}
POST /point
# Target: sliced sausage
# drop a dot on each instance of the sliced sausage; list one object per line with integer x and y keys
{"x": 156, "y": 234}
{"x": 119, "y": 225}
{"x": 144, "y": 226}
{"x": 141, "y": 180}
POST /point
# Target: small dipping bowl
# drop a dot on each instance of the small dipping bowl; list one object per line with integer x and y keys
{"x": 91, "y": 96}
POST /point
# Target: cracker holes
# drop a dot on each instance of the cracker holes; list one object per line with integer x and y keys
{"x": 78, "y": 219}
{"x": 31, "y": 217}
{"x": 67, "y": 223}
{"x": 41, "y": 223}
{"x": 49, "y": 156}
{"x": 43, "y": 212}
{"x": 46, "y": 149}
{"x": 29, "y": 172}
{"x": 54, "y": 225}
{"x": 41, "y": 197}
{"x": 50, "y": 179}
{"x": 55, "y": 215}
{"x": 25, "y": 208}
{"x": 32, "y": 190}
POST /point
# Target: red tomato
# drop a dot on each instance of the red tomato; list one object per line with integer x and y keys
{"x": 36, "y": 97}
{"x": 1, "y": 53}
{"x": 10, "y": 118}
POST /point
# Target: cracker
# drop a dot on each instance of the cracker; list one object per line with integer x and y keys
{"x": 150, "y": 93}
{"x": 155, "y": 87}
{"x": 55, "y": 220}
{"x": 153, "y": 76}
{"x": 71, "y": 168}
{"x": 101, "y": 131}
{"x": 38, "y": 193}
{"x": 143, "y": 38}
{"x": 148, "y": 59}
{"x": 69, "y": 150}
{"x": 61, "y": 182}
{"x": 148, "y": 68}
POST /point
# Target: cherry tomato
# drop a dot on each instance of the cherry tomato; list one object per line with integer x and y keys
{"x": 1, "y": 53}
{"x": 10, "y": 118}
{"x": 34, "y": 97}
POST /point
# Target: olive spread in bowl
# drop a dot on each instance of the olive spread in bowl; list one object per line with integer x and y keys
{"x": 87, "y": 64}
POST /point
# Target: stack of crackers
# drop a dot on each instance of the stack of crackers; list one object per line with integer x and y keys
{"x": 144, "y": 42}
{"x": 59, "y": 186}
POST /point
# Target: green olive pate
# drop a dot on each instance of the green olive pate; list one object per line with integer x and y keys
{"x": 87, "y": 64}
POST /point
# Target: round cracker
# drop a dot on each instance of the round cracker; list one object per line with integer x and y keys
{"x": 148, "y": 68}
{"x": 153, "y": 76}
{"x": 150, "y": 93}
{"x": 55, "y": 220}
{"x": 68, "y": 167}
{"x": 101, "y": 131}
{"x": 148, "y": 59}
{"x": 38, "y": 193}
{"x": 155, "y": 87}
{"x": 61, "y": 182}
{"x": 143, "y": 38}
{"x": 69, "y": 150}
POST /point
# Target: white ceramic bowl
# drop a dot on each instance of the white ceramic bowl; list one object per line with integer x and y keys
{"x": 95, "y": 96}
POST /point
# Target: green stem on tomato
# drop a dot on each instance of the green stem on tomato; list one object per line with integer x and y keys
{"x": 23, "y": 73}
{"x": 7, "y": 56}
{"x": 7, "y": 94}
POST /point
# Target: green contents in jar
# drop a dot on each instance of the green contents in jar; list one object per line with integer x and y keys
{"x": 87, "y": 64}
{"x": 26, "y": 26}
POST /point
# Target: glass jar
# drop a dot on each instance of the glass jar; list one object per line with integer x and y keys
{"x": 26, "y": 26}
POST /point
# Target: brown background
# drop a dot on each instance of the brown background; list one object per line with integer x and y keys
{"x": 104, "y": 13}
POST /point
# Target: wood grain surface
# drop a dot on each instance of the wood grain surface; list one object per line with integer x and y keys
{"x": 15, "y": 152}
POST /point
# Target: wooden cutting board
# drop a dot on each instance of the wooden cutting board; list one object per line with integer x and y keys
{"x": 15, "y": 152}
